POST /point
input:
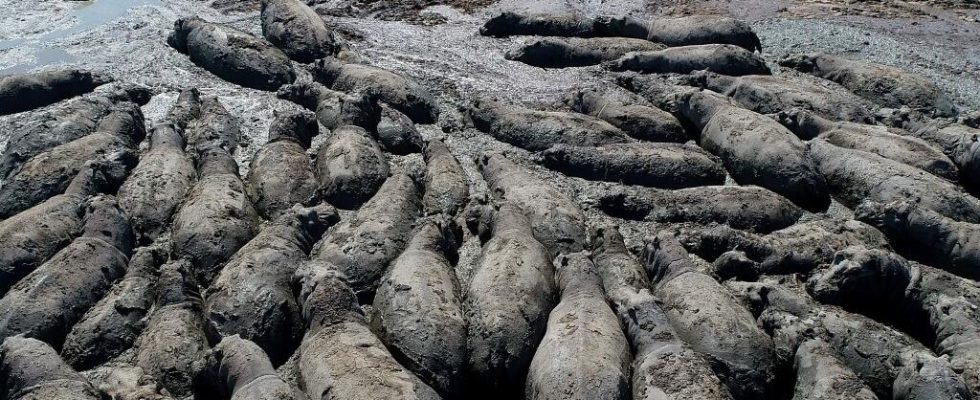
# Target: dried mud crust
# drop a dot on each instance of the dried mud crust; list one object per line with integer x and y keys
{"x": 875, "y": 8}
{"x": 238, "y": 6}
{"x": 818, "y": 9}
{"x": 410, "y": 11}
{"x": 399, "y": 10}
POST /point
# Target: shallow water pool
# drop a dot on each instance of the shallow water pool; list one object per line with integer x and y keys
{"x": 45, "y": 50}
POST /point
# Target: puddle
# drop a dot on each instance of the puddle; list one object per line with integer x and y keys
{"x": 43, "y": 50}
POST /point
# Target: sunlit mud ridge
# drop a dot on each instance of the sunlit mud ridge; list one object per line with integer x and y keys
{"x": 287, "y": 199}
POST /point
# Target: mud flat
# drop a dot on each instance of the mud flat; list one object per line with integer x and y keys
{"x": 508, "y": 238}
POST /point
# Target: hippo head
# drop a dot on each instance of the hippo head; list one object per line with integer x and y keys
{"x": 326, "y": 70}
{"x": 481, "y": 112}
{"x": 106, "y": 221}
{"x": 791, "y": 118}
{"x": 176, "y": 284}
{"x": 696, "y": 78}
{"x": 167, "y": 135}
{"x": 682, "y": 102}
{"x": 138, "y": 94}
{"x": 735, "y": 264}
{"x": 859, "y": 275}
{"x": 551, "y": 155}
{"x": 697, "y": 106}
{"x": 478, "y": 214}
{"x": 146, "y": 259}
{"x": 306, "y": 94}
{"x": 488, "y": 161}
{"x": 500, "y": 25}
{"x": 182, "y": 28}
{"x": 452, "y": 234}
{"x": 325, "y": 296}
{"x": 313, "y": 221}
{"x": 125, "y": 120}
{"x": 543, "y": 52}
{"x": 299, "y": 126}
{"x": 604, "y": 237}
{"x": 891, "y": 217}
{"x": 438, "y": 230}
{"x": 362, "y": 107}
{"x": 89, "y": 78}
{"x": 575, "y": 270}
{"x": 799, "y": 62}
{"x": 625, "y": 26}
{"x": 706, "y": 79}
{"x": 628, "y": 81}
{"x": 971, "y": 119}
{"x": 94, "y": 177}
{"x": 801, "y": 122}
{"x": 659, "y": 255}
{"x": 215, "y": 160}
{"x": 191, "y": 97}
{"x": 576, "y": 100}
{"x": 755, "y": 295}
{"x": 656, "y": 89}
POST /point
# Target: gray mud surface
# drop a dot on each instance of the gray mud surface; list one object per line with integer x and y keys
{"x": 436, "y": 42}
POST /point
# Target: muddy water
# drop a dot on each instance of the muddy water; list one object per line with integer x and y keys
{"x": 49, "y": 48}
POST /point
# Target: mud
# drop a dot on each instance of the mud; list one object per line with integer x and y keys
{"x": 436, "y": 44}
